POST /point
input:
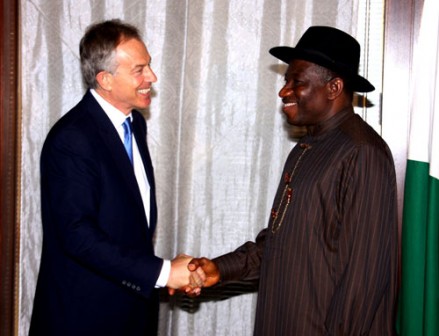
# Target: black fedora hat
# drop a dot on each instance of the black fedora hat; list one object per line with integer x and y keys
{"x": 330, "y": 48}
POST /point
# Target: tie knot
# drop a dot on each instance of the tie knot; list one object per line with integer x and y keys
{"x": 127, "y": 125}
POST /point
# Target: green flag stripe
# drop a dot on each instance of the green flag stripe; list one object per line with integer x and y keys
{"x": 419, "y": 300}
{"x": 431, "y": 291}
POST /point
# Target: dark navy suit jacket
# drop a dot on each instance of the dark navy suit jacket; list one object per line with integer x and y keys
{"x": 98, "y": 269}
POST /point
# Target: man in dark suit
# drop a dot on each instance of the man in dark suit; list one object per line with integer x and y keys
{"x": 99, "y": 273}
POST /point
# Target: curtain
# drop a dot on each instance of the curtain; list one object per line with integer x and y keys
{"x": 419, "y": 297}
{"x": 217, "y": 137}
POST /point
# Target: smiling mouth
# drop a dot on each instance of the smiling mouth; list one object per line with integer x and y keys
{"x": 144, "y": 91}
{"x": 290, "y": 104}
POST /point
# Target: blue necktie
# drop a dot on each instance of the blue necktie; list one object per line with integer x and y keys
{"x": 128, "y": 138}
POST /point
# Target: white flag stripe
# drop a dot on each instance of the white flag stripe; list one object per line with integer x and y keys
{"x": 424, "y": 125}
{"x": 434, "y": 153}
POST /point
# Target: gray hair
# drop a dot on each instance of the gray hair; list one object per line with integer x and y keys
{"x": 97, "y": 48}
{"x": 327, "y": 75}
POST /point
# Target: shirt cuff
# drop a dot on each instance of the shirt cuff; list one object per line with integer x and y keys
{"x": 164, "y": 274}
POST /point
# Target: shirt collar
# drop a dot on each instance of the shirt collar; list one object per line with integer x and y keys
{"x": 331, "y": 123}
{"x": 116, "y": 116}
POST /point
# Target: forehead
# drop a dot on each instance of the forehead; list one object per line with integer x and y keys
{"x": 302, "y": 70}
{"x": 133, "y": 51}
{"x": 299, "y": 66}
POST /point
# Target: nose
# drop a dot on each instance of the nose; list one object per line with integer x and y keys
{"x": 285, "y": 92}
{"x": 149, "y": 74}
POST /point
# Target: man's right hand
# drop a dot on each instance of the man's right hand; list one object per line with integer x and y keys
{"x": 200, "y": 268}
{"x": 207, "y": 269}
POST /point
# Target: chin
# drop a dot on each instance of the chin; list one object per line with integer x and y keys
{"x": 293, "y": 122}
{"x": 143, "y": 105}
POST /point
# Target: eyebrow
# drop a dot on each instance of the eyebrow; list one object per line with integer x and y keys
{"x": 141, "y": 66}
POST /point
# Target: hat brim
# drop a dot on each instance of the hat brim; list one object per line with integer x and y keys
{"x": 287, "y": 54}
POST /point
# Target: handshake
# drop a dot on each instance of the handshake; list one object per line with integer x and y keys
{"x": 189, "y": 275}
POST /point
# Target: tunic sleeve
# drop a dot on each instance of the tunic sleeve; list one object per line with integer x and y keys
{"x": 244, "y": 263}
{"x": 368, "y": 242}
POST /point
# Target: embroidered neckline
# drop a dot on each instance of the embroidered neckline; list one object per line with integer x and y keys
{"x": 287, "y": 194}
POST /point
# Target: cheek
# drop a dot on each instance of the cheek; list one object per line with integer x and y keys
{"x": 137, "y": 81}
{"x": 129, "y": 84}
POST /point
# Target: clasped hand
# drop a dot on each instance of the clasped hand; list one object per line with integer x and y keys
{"x": 189, "y": 275}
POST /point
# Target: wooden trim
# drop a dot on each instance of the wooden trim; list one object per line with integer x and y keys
{"x": 8, "y": 163}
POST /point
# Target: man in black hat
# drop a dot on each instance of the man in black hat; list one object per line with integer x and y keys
{"x": 327, "y": 262}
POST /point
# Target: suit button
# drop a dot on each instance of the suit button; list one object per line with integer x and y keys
{"x": 124, "y": 282}
{"x": 138, "y": 288}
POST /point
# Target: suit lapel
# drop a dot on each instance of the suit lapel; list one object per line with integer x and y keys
{"x": 111, "y": 139}
{"x": 140, "y": 136}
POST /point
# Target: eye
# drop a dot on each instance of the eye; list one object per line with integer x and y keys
{"x": 138, "y": 70}
{"x": 293, "y": 82}
{"x": 298, "y": 82}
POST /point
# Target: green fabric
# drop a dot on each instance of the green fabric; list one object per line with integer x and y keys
{"x": 419, "y": 296}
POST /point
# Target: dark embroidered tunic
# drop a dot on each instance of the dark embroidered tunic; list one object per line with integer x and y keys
{"x": 329, "y": 266}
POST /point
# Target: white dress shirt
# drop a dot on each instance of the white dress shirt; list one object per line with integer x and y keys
{"x": 117, "y": 118}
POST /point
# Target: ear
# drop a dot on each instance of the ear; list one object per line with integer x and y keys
{"x": 335, "y": 88}
{"x": 105, "y": 80}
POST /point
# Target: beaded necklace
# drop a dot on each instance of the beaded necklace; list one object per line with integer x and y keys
{"x": 287, "y": 194}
